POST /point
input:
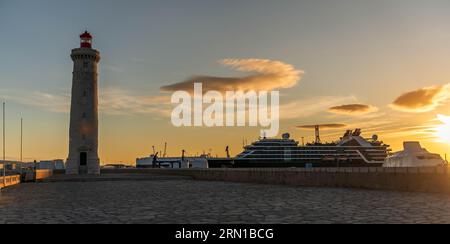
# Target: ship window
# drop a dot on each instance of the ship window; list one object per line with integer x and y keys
{"x": 84, "y": 93}
{"x": 84, "y": 115}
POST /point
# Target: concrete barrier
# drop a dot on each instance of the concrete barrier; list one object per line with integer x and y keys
{"x": 9, "y": 181}
{"x": 36, "y": 175}
{"x": 42, "y": 174}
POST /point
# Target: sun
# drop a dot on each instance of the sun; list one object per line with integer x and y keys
{"x": 442, "y": 131}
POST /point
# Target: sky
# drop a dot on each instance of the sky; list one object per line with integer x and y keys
{"x": 377, "y": 65}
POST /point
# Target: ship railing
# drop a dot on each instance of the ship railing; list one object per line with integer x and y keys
{"x": 366, "y": 160}
{"x": 246, "y": 154}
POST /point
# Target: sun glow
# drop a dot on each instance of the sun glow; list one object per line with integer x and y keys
{"x": 443, "y": 131}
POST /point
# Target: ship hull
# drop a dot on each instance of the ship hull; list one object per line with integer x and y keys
{"x": 243, "y": 163}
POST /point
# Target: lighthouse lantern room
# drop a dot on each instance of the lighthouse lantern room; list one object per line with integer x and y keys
{"x": 86, "y": 40}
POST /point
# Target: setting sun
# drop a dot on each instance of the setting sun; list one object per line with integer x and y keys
{"x": 443, "y": 131}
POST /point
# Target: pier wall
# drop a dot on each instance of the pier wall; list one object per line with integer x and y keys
{"x": 430, "y": 180}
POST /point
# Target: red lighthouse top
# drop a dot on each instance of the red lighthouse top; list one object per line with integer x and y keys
{"x": 86, "y": 40}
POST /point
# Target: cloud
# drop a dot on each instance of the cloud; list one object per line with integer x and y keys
{"x": 112, "y": 68}
{"x": 115, "y": 101}
{"x": 305, "y": 108}
{"x": 112, "y": 101}
{"x": 422, "y": 100}
{"x": 46, "y": 101}
{"x": 266, "y": 75}
{"x": 444, "y": 119}
{"x": 353, "y": 109}
{"x": 389, "y": 125}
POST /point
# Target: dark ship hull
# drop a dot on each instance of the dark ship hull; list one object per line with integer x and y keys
{"x": 242, "y": 163}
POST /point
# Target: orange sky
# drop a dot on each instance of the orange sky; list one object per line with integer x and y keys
{"x": 390, "y": 58}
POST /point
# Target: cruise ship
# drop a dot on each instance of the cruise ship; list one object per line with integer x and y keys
{"x": 351, "y": 150}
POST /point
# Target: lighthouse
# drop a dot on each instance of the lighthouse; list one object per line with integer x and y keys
{"x": 83, "y": 135}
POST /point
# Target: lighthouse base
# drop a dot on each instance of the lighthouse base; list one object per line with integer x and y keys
{"x": 83, "y": 166}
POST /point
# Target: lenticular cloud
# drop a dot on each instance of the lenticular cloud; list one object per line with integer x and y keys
{"x": 422, "y": 100}
{"x": 353, "y": 109}
{"x": 264, "y": 75}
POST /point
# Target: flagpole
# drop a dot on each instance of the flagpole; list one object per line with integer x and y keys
{"x": 21, "y": 140}
{"x": 21, "y": 146}
{"x": 4, "y": 152}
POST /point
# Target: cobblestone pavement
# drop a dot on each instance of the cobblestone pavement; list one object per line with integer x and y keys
{"x": 181, "y": 200}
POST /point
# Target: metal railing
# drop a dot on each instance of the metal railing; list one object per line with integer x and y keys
{"x": 413, "y": 170}
{"x": 10, "y": 173}
{"x": 9, "y": 180}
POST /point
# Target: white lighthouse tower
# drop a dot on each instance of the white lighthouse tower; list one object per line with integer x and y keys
{"x": 83, "y": 136}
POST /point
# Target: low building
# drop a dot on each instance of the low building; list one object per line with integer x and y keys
{"x": 116, "y": 166}
{"x": 57, "y": 164}
{"x": 9, "y": 165}
{"x": 175, "y": 162}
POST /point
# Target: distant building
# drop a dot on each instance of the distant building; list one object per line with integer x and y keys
{"x": 116, "y": 166}
{"x": 177, "y": 163}
{"x": 9, "y": 165}
{"x": 57, "y": 164}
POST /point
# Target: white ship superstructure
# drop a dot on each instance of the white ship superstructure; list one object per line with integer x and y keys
{"x": 413, "y": 155}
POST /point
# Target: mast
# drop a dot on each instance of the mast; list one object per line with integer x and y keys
{"x": 165, "y": 150}
{"x": 4, "y": 147}
{"x": 317, "y": 130}
{"x": 21, "y": 140}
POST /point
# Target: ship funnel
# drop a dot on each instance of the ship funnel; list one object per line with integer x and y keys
{"x": 348, "y": 133}
{"x": 357, "y": 132}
